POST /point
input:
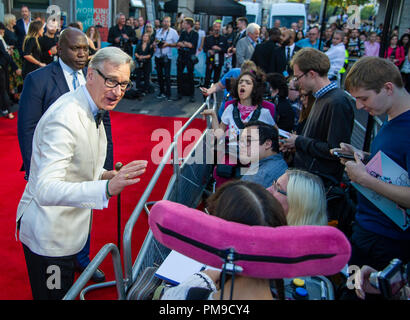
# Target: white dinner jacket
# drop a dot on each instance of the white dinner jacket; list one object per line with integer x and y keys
{"x": 66, "y": 165}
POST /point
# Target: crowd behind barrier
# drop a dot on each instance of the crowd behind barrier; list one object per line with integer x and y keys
{"x": 282, "y": 91}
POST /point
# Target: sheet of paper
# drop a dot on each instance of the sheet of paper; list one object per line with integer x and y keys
{"x": 176, "y": 268}
{"x": 385, "y": 169}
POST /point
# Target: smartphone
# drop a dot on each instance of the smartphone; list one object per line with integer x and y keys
{"x": 284, "y": 134}
{"x": 344, "y": 155}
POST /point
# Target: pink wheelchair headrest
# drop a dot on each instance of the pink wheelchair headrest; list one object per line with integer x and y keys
{"x": 262, "y": 252}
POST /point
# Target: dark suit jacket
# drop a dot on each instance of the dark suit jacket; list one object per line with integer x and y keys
{"x": 40, "y": 90}
{"x": 279, "y": 60}
{"x": 20, "y": 33}
{"x": 261, "y": 54}
{"x": 126, "y": 45}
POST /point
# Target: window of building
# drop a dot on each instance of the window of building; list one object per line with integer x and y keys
{"x": 31, "y": 4}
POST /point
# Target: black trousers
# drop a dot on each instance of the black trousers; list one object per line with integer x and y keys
{"x": 164, "y": 75}
{"x": 212, "y": 68}
{"x": 183, "y": 62}
{"x": 374, "y": 250}
{"x": 4, "y": 90}
{"x": 50, "y": 277}
{"x": 143, "y": 73}
{"x": 377, "y": 251}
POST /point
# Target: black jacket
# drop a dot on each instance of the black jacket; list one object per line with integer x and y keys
{"x": 262, "y": 53}
{"x": 124, "y": 44}
{"x": 5, "y": 59}
{"x": 330, "y": 122}
{"x": 191, "y": 37}
{"x": 220, "y": 41}
{"x": 279, "y": 62}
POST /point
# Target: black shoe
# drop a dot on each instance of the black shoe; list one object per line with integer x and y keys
{"x": 192, "y": 99}
{"x": 97, "y": 277}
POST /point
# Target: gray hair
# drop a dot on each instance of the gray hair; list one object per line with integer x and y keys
{"x": 252, "y": 27}
{"x": 339, "y": 32}
{"x": 9, "y": 18}
{"x": 112, "y": 55}
{"x": 118, "y": 16}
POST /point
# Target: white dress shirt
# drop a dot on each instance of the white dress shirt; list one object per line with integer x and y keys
{"x": 94, "y": 110}
{"x": 336, "y": 55}
{"x": 168, "y": 36}
{"x": 68, "y": 74}
{"x": 292, "y": 47}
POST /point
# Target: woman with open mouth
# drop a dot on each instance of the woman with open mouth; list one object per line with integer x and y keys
{"x": 248, "y": 92}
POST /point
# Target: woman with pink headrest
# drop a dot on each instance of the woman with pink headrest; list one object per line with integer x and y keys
{"x": 302, "y": 196}
{"x": 242, "y": 202}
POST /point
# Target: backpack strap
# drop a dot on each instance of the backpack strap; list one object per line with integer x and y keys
{"x": 236, "y": 116}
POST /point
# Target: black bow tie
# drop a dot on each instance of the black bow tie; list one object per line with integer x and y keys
{"x": 98, "y": 117}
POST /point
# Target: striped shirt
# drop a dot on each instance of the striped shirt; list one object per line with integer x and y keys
{"x": 325, "y": 89}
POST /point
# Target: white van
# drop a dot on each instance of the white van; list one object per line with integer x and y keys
{"x": 253, "y": 13}
{"x": 287, "y": 13}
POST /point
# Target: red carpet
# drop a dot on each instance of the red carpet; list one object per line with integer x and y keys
{"x": 132, "y": 137}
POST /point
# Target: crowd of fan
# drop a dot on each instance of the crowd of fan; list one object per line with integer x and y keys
{"x": 227, "y": 47}
{"x": 28, "y": 44}
{"x": 288, "y": 88}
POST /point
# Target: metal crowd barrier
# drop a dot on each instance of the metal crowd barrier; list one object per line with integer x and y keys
{"x": 359, "y": 132}
{"x": 186, "y": 185}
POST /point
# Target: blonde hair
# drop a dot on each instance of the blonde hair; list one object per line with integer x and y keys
{"x": 306, "y": 199}
{"x": 248, "y": 65}
{"x": 33, "y": 32}
{"x": 146, "y": 31}
{"x": 8, "y": 19}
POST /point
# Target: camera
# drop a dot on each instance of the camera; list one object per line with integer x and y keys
{"x": 160, "y": 44}
{"x": 391, "y": 280}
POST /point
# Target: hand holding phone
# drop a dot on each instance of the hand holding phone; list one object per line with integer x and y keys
{"x": 344, "y": 155}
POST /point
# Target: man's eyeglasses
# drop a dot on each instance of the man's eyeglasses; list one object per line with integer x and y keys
{"x": 277, "y": 188}
{"x": 296, "y": 79}
{"x": 111, "y": 83}
{"x": 248, "y": 142}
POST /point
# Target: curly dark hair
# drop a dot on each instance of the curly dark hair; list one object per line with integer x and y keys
{"x": 259, "y": 84}
{"x": 278, "y": 81}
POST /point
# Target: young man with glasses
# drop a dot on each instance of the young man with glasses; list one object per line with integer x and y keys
{"x": 259, "y": 147}
{"x": 330, "y": 121}
{"x": 67, "y": 180}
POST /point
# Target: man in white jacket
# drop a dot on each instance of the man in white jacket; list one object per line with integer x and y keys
{"x": 336, "y": 54}
{"x": 67, "y": 179}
